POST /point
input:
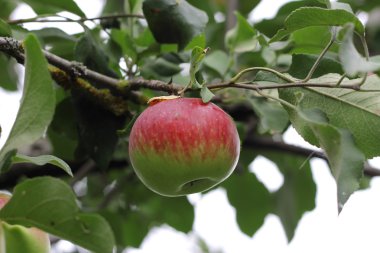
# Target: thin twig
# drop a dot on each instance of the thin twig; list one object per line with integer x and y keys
{"x": 116, "y": 189}
{"x": 255, "y": 86}
{"x": 83, "y": 171}
{"x": 319, "y": 59}
{"x": 244, "y": 71}
{"x": 42, "y": 19}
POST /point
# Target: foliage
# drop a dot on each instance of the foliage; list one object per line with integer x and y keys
{"x": 310, "y": 67}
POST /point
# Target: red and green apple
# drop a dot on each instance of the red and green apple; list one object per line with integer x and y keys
{"x": 182, "y": 146}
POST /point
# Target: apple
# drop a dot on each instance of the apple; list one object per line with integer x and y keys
{"x": 19, "y": 239}
{"x": 181, "y": 146}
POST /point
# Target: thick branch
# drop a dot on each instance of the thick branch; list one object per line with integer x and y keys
{"x": 18, "y": 171}
{"x": 268, "y": 143}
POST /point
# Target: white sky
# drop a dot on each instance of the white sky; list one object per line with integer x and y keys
{"x": 356, "y": 229}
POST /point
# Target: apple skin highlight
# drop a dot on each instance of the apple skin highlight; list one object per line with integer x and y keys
{"x": 183, "y": 146}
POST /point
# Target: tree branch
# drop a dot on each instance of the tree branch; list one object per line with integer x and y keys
{"x": 18, "y": 171}
{"x": 269, "y": 143}
{"x": 42, "y": 19}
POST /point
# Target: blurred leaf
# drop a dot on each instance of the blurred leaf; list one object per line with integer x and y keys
{"x": 5, "y": 30}
{"x": 302, "y": 63}
{"x": 97, "y": 138}
{"x": 7, "y": 7}
{"x": 54, "y": 6}
{"x": 206, "y": 94}
{"x": 346, "y": 109}
{"x": 156, "y": 210}
{"x": 50, "y": 205}
{"x": 130, "y": 228}
{"x": 245, "y": 7}
{"x": 273, "y": 118}
{"x": 297, "y": 195}
{"x": 218, "y": 61}
{"x": 270, "y": 26}
{"x": 125, "y": 42}
{"x": 352, "y": 62}
{"x": 159, "y": 68}
{"x": 9, "y": 77}
{"x": 365, "y": 5}
{"x": 242, "y": 38}
{"x": 133, "y": 6}
{"x": 63, "y": 132}
{"x": 145, "y": 39}
{"x": 197, "y": 41}
{"x": 32, "y": 118}
{"x": 314, "y": 16}
{"x": 251, "y": 200}
{"x": 174, "y": 21}
{"x": 340, "y": 6}
{"x": 57, "y": 41}
{"x": 89, "y": 52}
{"x": 52, "y": 34}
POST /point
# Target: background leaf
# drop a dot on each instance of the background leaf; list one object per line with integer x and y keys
{"x": 251, "y": 200}
{"x": 242, "y": 38}
{"x": 290, "y": 202}
{"x": 54, "y": 6}
{"x": 302, "y": 63}
{"x": 352, "y": 62}
{"x": 50, "y": 204}
{"x": 314, "y": 16}
{"x": 174, "y": 21}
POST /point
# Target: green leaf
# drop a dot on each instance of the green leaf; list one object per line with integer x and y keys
{"x": 197, "y": 56}
{"x": 125, "y": 42}
{"x": 218, "y": 61}
{"x": 297, "y": 195}
{"x": 54, "y": 6}
{"x": 345, "y": 159}
{"x": 5, "y": 30}
{"x": 241, "y": 38}
{"x": 160, "y": 68}
{"x": 89, "y": 51}
{"x": 32, "y": 118}
{"x": 206, "y": 94}
{"x": 312, "y": 40}
{"x": 133, "y": 6}
{"x": 9, "y": 77}
{"x": 352, "y": 62}
{"x": 7, "y": 7}
{"x": 273, "y": 118}
{"x": 302, "y": 63}
{"x": 314, "y": 16}
{"x": 97, "y": 138}
{"x": 42, "y": 160}
{"x": 173, "y": 21}
{"x": 130, "y": 229}
{"x": 197, "y": 41}
{"x": 347, "y": 109}
{"x": 251, "y": 200}
{"x": 270, "y": 26}
{"x": 50, "y": 205}
{"x": 176, "y": 212}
